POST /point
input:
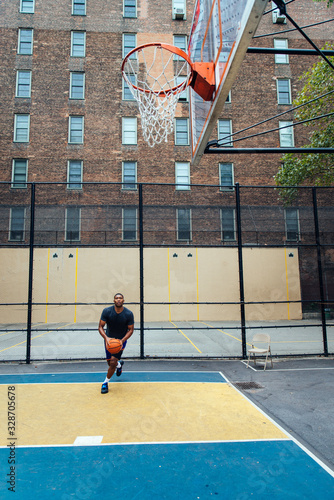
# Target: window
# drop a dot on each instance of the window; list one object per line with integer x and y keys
{"x": 21, "y": 128}
{"x": 183, "y": 224}
{"x": 77, "y": 85}
{"x": 79, "y": 7}
{"x": 180, "y": 41}
{"x": 281, "y": 43}
{"x": 76, "y": 130}
{"x": 227, "y": 217}
{"x": 19, "y": 173}
{"x": 129, "y": 218}
{"x": 129, "y": 130}
{"x": 283, "y": 91}
{"x": 129, "y": 8}
{"x": 292, "y": 232}
{"x": 182, "y": 175}
{"x": 72, "y": 223}
{"x": 23, "y": 83}
{"x": 127, "y": 94}
{"x": 74, "y": 174}
{"x": 286, "y": 137}
{"x": 226, "y": 178}
{"x": 16, "y": 224}
{"x": 27, "y": 6}
{"x": 181, "y": 131}
{"x": 229, "y": 98}
{"x": 129, "y": 175}
{"x": 25, "y": 43}
{"x": 179, "y": 9}
{"x": 225, "y": 130}
{"x": 78, "y": 44}
{"x": 183, "y": 96}
{"x": 129, "y": 43}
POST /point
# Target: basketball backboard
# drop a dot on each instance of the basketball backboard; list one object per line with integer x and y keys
{"x": 221, "y": 32}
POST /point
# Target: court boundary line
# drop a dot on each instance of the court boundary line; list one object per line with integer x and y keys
{"x": 286, "y": 369}
{"x": 291, "y": 437}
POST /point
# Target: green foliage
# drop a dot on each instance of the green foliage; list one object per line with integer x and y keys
{"x": 329, "y": 2}
{"x": 312, "y": 169}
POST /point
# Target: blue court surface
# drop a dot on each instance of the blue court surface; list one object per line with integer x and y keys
{"x": 155, "y": 435}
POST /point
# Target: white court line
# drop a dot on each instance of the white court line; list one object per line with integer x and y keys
{"x": 308, "y": 452}
{"x": 88, "y": 440}
{"x": 286, "y": 369}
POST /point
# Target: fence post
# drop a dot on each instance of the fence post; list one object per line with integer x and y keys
{"x": 31, "y": 270}
{"x": 321, "y": 284}
{"x": 141, "y": 269}
{"x": 241, "y": 272}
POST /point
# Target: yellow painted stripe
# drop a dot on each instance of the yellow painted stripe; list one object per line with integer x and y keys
{"x": 76, "y": 285}
{"x": 186, "y": 337}
{"x": 47, "y": 287}
{"x": 168, "y": 270}
{"x": 24, "y": 341}
{"x": 287, "y": 282}
{"x": 222, "y": 331}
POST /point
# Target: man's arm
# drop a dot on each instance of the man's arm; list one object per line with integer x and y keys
{"x": 128, "y": 333}
{"x": 101, "y": 330}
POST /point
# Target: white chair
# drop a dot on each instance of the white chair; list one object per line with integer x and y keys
{"x": 264, "y": 338}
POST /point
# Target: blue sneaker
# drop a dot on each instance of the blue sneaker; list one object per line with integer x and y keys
{"x": 119, "y": 370}
{"x": 104, "y": 388}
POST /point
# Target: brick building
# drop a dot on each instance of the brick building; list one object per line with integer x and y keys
{"x": 68, "y": 118}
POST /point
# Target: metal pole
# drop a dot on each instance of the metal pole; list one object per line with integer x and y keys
{"x": 141, "y": 272}
{"x": 31, "y": 269}
{"x": 321, "y": 284}
{"x": 241, "y": 272}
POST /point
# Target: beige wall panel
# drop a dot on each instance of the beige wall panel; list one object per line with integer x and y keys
{"x": 271, "y": 275}
{"x": 14, "y": 273}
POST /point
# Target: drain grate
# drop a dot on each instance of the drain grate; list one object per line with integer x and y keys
{"x": 248, "y": 385}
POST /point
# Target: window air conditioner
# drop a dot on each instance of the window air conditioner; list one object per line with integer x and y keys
{"x": 178, "y": 13}
{"x": 278, "y": 18}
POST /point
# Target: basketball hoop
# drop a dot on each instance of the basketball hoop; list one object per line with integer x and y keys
{"x": 157, "y": 73}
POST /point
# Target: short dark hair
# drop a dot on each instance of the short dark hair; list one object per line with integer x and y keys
{"x": 119, "y": 294}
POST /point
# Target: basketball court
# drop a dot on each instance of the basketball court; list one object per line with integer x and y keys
{"x": 163, "y": 434}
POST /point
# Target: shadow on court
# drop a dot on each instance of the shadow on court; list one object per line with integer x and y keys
{"x": 168, "y": 429}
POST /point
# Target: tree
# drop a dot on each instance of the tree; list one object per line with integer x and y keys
{"x": 312, "y": 169}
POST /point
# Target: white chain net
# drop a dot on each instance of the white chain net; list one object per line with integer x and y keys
{"x": 156, "y": 77}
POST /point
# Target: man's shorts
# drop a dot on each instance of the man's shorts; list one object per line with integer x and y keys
{"x": 118, "y": 355}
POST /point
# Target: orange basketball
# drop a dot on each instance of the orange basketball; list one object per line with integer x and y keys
{"x": 114, "y": 345}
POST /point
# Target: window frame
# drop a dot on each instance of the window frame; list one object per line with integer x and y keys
{"x": 66, "y": 238}
{"x": 74, "y": 185}
{"x": 283, "y": 127}
{"x": 125, "y": 6}
{"x": 71, "y": 130}
{"x": 28, "y": 2}
{"x": 132, "y": 184}
{"x": 74, "y": 3}
{"x": 178, "y": 230}
{"x": 125, "y": 51}
{"x": 16, "y": 128}
{"x": 296, "y": 221}
{"x": 135, "y": 219}
{"x": 228, "y": 144}
{"x": 183, "y": 96}
{"x": 281, "y": 58}
{"x": 282, "y": 92}
{"x": 179, "y": 184}
{"x": 225, "y": 237}
{"x": 179, "y": 4}
{"x": 11, "y": 218}
{"x": 18, "y": 72}
{"x": 182, "y": 46}
{"x": 83, "y": 45}
{"x": 21, "y": 184}
{"x": 31, "y": 42}
{"x": 177, "y": 139}
{"x": 133, "y": 131}
{"x": 226, "y": 187}
{"x": 72, "y": 86}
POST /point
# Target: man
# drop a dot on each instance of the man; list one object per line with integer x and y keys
{"x": 120, "y": 325}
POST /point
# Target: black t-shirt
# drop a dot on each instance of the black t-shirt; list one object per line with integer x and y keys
{"x": 117, "y": 324}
